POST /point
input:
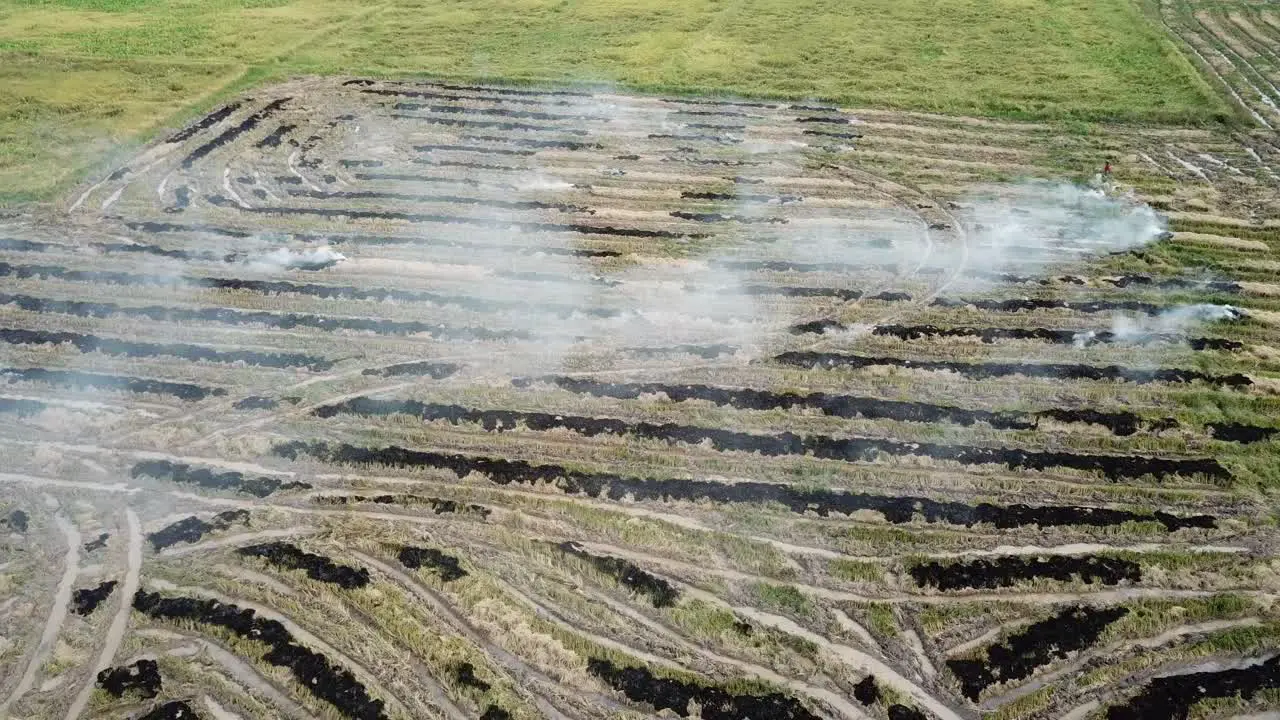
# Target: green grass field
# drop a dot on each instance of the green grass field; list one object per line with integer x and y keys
{"x": 81, "y": 77}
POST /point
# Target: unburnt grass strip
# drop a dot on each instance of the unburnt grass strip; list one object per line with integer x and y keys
{"x": 192, "y": 529}
{"x": 660, "y": 592}
{"x": 641, "y": 685}
{"x": 1172, "y": 696}
{"x": 1009, "y": 571}
{"x": 85, "y": 600}
{"x": 318, "y": 567}
{"x": 312, "y": 670}
{"x": 260, "y": 486}
{"x": 1018, "y": 656}
{"x": 446, "y": 566}
{"x": 194, "y": 353}
{"x": 142, "y": 677}
{"x": 857, "y": 449}
{"x": 984, "y": 371}
{"x": 94, "y": 381}
{"x": 896, "y": 509}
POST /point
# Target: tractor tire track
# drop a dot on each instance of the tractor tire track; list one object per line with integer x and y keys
{"x": 57, "y": 613}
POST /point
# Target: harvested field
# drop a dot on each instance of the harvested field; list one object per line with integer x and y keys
{"x": 377, "y": 398}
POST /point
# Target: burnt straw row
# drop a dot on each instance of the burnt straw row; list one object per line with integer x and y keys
{"x": 204, "y": 123}
{"x": 498, "y": 112}
{"x": 194, "y": 353}
{"x": 506, "y": 225}
{"x": 318, "y": 567}
{"x": 855, "y": 449}
{"x": 85, "y": 600}
{"x": 235, "y": 131}
{"x": 1082, "y": 306}
{"x": 141, "y": 677}
{"x": 454, "y": 97}
{"x": 424, "y": 368}
{"x": 988, "y": 370}
{"x": 1009, "y": 571}
{"x": 446, "y": 566}
{"x": 232, "y": 480}
{"x": 488, "y": 124}
{"x": 1172, "y": 696}
{"x": 21, "y": 407}
{"x": 640, "y": 685}
{"x": 121, "y": 383}
{"x": 312, "y": 670}
{"x": 896, "y": 509}
{"x": 284, "y": 321}
{"x": 849, "y": 406}
{"x": 286, "y": 287}
{"x": 445, "y": 199}
{"x": 439, "y": 506}
{"x": 1055, "y": 336}
{"x": 192, "y": 529}
{"x": 1018, "y": 656}
{"x": 660, "y": 592}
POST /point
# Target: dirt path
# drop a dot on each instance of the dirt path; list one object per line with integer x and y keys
{"x": 519, "y": 670}
{"x": 854, "y": 658}
{"x": 234, "y": 540}
{"x": 306, "y": 638}
{"x": 57, "y": 613}
{"x": 245, "y": 674}
{"x": 1080, "y": 660}
{"x": 217, "y": 711}
{"x": 119, "y": 623}
{"x": 833, "y": 699}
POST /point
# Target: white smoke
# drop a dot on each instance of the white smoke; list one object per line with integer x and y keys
{"x": 1174, "y": 321}
{"x": 286, "y": 259}
{"x": 1024, "y": 227}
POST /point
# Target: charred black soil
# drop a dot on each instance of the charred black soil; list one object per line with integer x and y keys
{"x": 142, "y": 678}
{"x": 1018, "y": 656}
{"x": 260, "y": 486}
{"x": 446, "y": 566}
{"x": 192, "y": 529}
{"x": 86, "y": 600}
{"x": 313, "y": 671}
{"x": 659, "y": 591}
{"x": 615, "y": 487}
{"x": 1113, "y": 467}
{"x": 318, "y": 567}
{"x": 642, "y": 686}
{"x": 1009, "y": 571}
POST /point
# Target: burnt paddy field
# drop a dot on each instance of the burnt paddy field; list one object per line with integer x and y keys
{"x": 364, "y": 398}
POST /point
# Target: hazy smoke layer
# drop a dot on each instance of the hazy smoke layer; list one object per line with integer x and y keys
{"x": 1175, "y": 321}
{"x": 286, "y": 259}
{"x": 1023, "y": 227}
